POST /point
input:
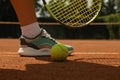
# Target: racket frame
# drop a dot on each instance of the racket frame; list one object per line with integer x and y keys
{"x": 81, "y": 24}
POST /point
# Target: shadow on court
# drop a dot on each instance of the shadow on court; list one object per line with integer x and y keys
{"x": 69, "y": 70}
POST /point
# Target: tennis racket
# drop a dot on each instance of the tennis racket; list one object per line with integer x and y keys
{"x": 73, "y": 13}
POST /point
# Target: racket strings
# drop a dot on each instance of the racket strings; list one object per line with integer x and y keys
{"x": 74, "y": 12}
{"x": 62, "y": 10}
{"x": 90, "y": 13}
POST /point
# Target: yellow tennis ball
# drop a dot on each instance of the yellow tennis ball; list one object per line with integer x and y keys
{"x": 59, "y": 52}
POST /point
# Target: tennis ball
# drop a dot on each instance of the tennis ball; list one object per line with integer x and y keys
{"x": 59, "y": 52}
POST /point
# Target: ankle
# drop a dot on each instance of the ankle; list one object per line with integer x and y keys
{"x": 31, "y": 30}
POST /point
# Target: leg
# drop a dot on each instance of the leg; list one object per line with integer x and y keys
{"x": 25, "y": 11}
{"x": 35, "y": 41}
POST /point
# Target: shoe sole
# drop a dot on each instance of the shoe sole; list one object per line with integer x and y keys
{"x": 28, "y": 51}
{"x": 33, "y": 52}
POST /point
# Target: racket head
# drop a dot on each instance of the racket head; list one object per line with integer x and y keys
{"x": 74, "y": 13}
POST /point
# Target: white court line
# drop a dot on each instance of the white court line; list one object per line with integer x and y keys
{"x": 9, "y": 54}
{"x": 95, "y": 53}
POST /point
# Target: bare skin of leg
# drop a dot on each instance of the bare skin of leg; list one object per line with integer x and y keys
{"x": 25, "y": 11}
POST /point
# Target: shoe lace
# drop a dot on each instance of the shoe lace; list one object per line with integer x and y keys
{"x": 47, "y": 35}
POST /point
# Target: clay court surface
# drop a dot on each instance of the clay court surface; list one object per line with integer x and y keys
{"x": 91, "y": 60}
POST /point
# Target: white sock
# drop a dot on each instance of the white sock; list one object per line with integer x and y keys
{"x": 31, "y": 30}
